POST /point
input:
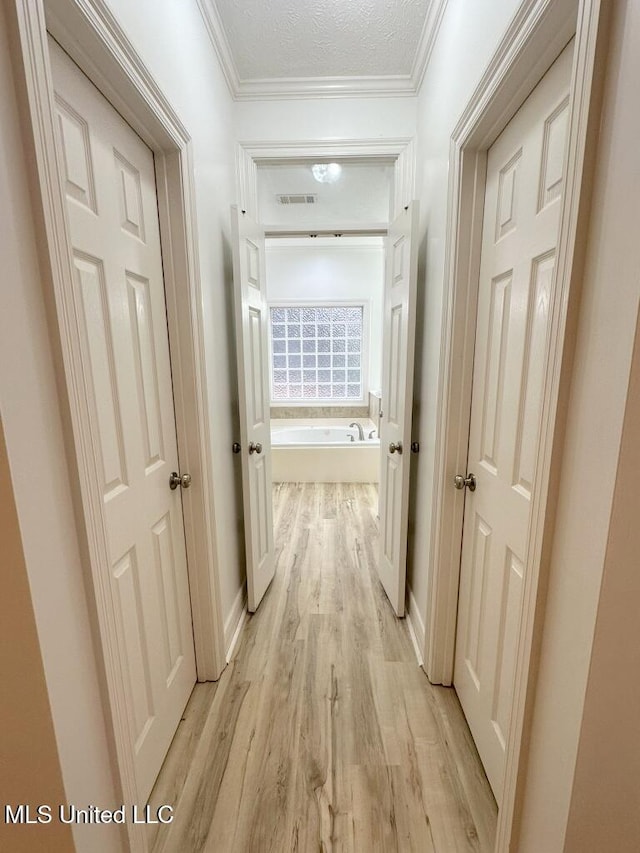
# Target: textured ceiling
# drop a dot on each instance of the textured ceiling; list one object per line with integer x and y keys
{"x": 322, "y": 38}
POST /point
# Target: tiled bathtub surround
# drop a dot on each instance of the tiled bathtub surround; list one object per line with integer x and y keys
{"x": 279, "y": 412}
{"x": 375, "y": 403}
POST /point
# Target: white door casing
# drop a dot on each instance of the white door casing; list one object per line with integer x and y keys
{"x": 520, "y": 233}
{"x": 399, "y": 322}
{"x": 253, "y": 383}
{"x": 110, "y": 191}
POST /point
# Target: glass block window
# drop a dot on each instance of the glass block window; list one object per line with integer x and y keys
{"x": 317, "y": 353}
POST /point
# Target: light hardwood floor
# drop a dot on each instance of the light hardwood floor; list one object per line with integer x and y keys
{"x": 323, "y": 734}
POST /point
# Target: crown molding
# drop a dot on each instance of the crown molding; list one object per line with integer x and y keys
{"x": 291, "y": 88}
{"x": 427, "y": 40}
{"x": 283, "y": 88}
{"x": 218, "y": 36}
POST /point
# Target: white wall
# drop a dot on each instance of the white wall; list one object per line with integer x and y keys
{"x": 326, "y": 119}
{"x": 326, "y": 269}
{"x": 360, "y": 195}
{"x": 171, "y": 38}
{"x": 468, "y": 35}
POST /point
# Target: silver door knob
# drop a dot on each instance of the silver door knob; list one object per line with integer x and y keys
{"x": 469, "y": 481}
{"x": 395, "y": 448}
{"x": 176, "y": 480}
{"x": 255, "y": 448}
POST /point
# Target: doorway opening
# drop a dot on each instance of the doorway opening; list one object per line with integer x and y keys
{"x": 325, "y": 299}
{"x": 325, "y": 331}
{"x": 325, "y": 293}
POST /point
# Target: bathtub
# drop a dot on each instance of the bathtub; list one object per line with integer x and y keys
{"x": 324, "y": 451}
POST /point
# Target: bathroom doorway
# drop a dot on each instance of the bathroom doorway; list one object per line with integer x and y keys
{"x": 331, "y": 334}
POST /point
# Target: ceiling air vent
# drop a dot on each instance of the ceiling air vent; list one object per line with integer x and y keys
{"x": 297, "y": 198}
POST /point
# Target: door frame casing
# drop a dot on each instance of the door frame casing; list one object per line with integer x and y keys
{"x": 401, "y": 151}
{"x": 537, "y": 35}
{"x": 91, "y": 35}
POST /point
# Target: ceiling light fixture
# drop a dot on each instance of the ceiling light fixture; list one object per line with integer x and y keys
{"x": 326, "y": 173}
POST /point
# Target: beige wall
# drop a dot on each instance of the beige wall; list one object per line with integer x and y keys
{"x": 605, "y": 801}
{"x": 28, "y": 753}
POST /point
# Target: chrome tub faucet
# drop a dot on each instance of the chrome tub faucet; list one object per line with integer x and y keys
{"x": 360, "y": 430}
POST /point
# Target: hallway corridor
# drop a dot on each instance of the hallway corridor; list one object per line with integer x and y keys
{"x": 323, "y": 734}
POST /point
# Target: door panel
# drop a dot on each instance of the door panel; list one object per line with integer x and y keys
{"x": 475, "y": 610}
{"x": 390, "y": 525}
{"x": 253, "y": 378}
{"x": 533, "y": 371}
{"x": 397, "y": 400}
{"x": 126, "y": 574}
{"x": 145, "y": 362}
{"x": 520, "y": 231}
{"x": 109, "y": 181}
{"x": 97, "y": 329}
{"x": 497, "y": 336}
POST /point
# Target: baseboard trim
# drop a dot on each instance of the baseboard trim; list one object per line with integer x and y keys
{"x": 416, "y": 626}
{"x": 234, "y": 622}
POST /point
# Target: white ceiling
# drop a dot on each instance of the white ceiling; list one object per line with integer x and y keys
{"x": 287, "y": 47}
{"x": 322, "y": 38}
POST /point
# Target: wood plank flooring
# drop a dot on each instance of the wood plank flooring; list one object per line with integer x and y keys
{"x": 323, "y": 734}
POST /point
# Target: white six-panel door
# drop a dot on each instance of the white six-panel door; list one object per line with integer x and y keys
{"x": 520, "y": 232}
{"x": 399, "y": 321}
{"x": 109, "y": 182}
{"x": 253, "y": 383}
